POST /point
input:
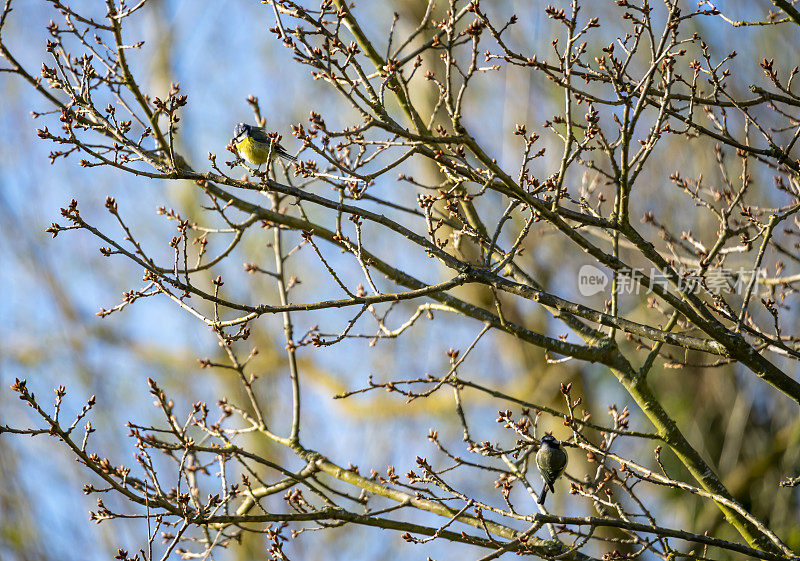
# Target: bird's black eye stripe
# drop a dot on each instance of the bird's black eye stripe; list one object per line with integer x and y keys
{"x": 240, "y": 132}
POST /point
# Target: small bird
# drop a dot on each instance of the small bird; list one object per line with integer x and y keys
{"x": 255, "y": 145}
{"x": 551, "y": 459}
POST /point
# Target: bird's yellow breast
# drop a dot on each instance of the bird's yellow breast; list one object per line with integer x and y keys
{"x": 253, "y": 151}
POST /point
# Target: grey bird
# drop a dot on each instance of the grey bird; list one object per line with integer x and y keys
{"x": 551, "y": 459}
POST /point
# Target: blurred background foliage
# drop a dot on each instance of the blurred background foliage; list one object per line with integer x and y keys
{"x": 220, "y": 52}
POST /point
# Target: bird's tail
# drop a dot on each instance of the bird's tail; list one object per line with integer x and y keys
{"x": 284, "y": 154}
{"x": 543, "y": 494}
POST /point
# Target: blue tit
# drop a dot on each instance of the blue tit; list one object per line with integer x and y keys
{"x": 551, "y": 459}
{"x": 255, "y": 145}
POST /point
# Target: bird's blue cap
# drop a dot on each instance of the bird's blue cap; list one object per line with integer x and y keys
{"x": 241, "y": 130}
{"x": 549, "y": 440}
